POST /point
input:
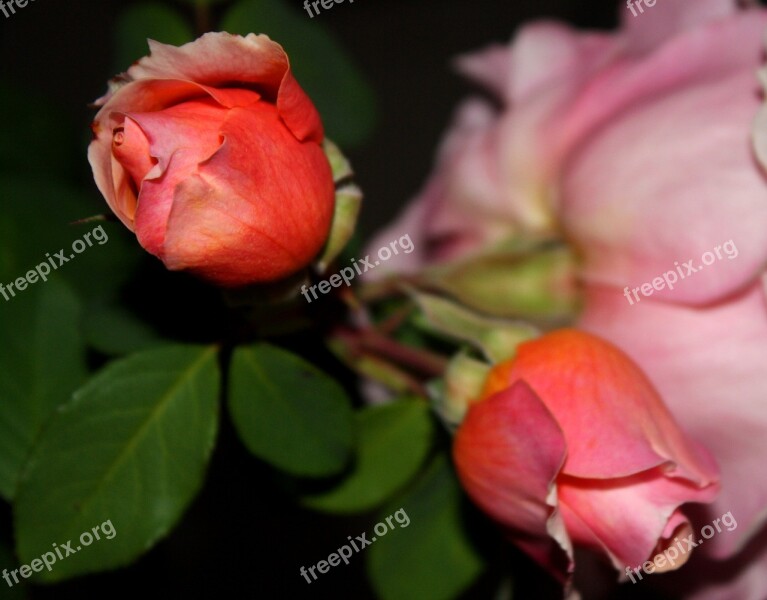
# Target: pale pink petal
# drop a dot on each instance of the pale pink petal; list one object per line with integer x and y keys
{"x": 668, "y": 183}
{"x": 492, "y": 176}
{"x": 718, "y": 50}
{"x": 547, "y": 54}
{"x": 760, "y": 135}
{"x": 468, "y": 204}
{"x": 461, "y": 206}
{"x": 759, "y": 132}
{"x": 709, "y": 365}
{"x": 490, "y": 67}
{"x": 410, "y": 222}
{"x": 648, "y": 26}
{"x": 533, "y": 136}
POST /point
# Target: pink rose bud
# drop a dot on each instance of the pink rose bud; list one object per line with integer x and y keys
{"x": 212, "y": 154}
{"x": 569, "y": 444}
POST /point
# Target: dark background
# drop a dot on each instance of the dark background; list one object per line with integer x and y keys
{"x": 243, "y": 536}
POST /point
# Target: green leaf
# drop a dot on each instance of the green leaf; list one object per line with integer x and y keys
{"x": 431, "y": 559}
{"x": 392, "y": 443}
{"x": 115, "y": 330}
{"x": 131, "y": 448}
{"x": 322, "y": 67}
{"x": 38, "y": 224}
{"x": 148, "y": 20}
{"x": 42, "y": 362}
{"x": 289, "y": 413}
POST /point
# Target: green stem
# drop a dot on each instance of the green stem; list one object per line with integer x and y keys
{"x": 420, "y": 360}
{"x": 387, "y": 288}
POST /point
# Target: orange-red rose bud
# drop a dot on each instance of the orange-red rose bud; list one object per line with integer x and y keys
{"x": 570, "y": 444}
{"x": 211, "y": 153}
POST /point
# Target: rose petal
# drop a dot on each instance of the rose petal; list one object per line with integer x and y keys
{"x": 665, "y": 19}
{"x": 509, "y": 472}
{"x": 131, "y": 162}
{"x": 231, "y": 98}
{"x": 461, "y": 206}
{"x": 465, "y": 195}
{"x": 490, "y": 67}
{"x": 180, "y": 138}
{"x": 613, "y": 420}
{"x": 137, "y": 96}
{"x": 720, "y": 49}
{"x": 193, "y": 126}
{"x": 221, "y": 59}
{"x": 131, "y": 147}
{"x": 493, "y": 177}
{"x": 261, "y": 188}
{"x": 708, "y": 365}
{"x": 630, "y": 519}
{"x": 411, "y": 220}
{"x": 542, "y": 55}
{"x": 633, "y": 234}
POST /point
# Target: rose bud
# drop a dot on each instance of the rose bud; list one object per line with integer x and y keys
{"x": 569, "y": 444}
{"x": 212, "y": 154}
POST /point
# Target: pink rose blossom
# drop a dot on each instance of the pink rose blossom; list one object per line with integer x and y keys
{"x": 635, "y": 147}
